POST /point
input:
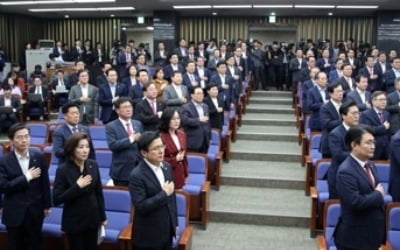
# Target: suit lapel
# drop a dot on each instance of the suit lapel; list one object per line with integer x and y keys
{"x": 362, "y": 173}
{"x": 15, "y": 164}
{"x": 150, "y": 174}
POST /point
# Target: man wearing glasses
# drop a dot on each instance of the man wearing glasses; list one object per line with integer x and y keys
{"x": 25, "y": 183}
{"x": 151, "y": 188}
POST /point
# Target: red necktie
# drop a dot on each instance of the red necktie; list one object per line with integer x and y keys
{"x": 368, "y": 172}
{"x": 128, "y": 129}
{"x": 153, "y": 106}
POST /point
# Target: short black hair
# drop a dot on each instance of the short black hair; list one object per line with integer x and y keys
{"x": 146, "y": 86}
{"x": 112, "y": 69}
{"x": 355, "y": 133}
{"x": 189, "y": 61}
{"x": 65, "y": 108}
{"x": 122, "y": 100}
{"x": 146, "y": 139}
{"x": 358, "y": 78}
{"x": 176, "y": 72}
{"x": 15, "y": 128}
{"x": 377, "y": 93}
{"x": 6, "y": 87}
{"x": 82, "y": 71}
{"x": 221, "y": 62}
{"x": 192, "y": 90}
{"x": 338, "y": 59}
{"x": 345, "y": 107}
{"x": 166, "y": 117}
{"x": 345, "y": 65}
{"x": 331, "y": 87}
{"x": 211, "y": 85}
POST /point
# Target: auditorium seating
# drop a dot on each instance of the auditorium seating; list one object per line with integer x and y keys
{"x": 103, "y": 159}
{"x": 214, "y": 155}
{"x": 98, "y": 136}
{"x": 53, "y": 167}
{"x": 198, "y": 187}
{"x": 39, "y": 134}
{"x": 331, "y": 216}
{"x": 393, "y": 226}
{"x": 304, "y": 138}
{"x": 313, "y": 156}
{"x": 383, "y": 171}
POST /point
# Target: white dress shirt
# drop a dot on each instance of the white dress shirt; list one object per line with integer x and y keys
{"x": 157, "y": 170}
{"x": 23, "y": 161}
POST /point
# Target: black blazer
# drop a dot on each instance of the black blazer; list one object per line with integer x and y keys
{"x": 216, "y": 118}
{"x": 21, "y": 195}
{"x": 155, "y": 212}
{"x": 330, "y": 119}
{"x": 394, "y": 183}
{"x": 83, "y": 207}
{"x": 145, "y": 114}
{"x": 394, "y": 110}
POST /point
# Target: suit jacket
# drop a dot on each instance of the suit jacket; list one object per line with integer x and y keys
{"x": 101, "y": 79}
{"x": 91, "y": 108}
{"x": 321, "y": 65}
{"x": 145, "y": 114}
{"x": 155, "y": 212}
{"x": 207, "y": 73}
{"x": 355, "y": 97}
{"x": 226, "y": 94}
{"x": 125, "y": 155}
{"x": 216, "y": 118}
{"x": 171, "y": 98}
{"x": 168, "y": 70}
{"x": 381, "y": 134}
{"x": 309, "y": 84}
{"x": 178, "y": 51}
{"x": 381, "y": 75}
{"x": 105, "y": 100}
{"x": 295, "y": 68}
{"x": 356, "y": 65}
{"x": 75, "y": 54}
{"x": 206, "y": 55}
{"x": 361, "y": 223}
{"x": 72, "y": 80}
{"x": 188, "y": 82}
{"x": 45, "y": 92}
{"x": 373, "y": 84}
{"x": 96, "y": 56}
{"x": 236, "y": 84}
{"x": 61, "y": 135}
{"x": 394, "y": 183}
{"x": 305, "y": 74}
{"x": 390, "y": 76}
{"x": 314, "y": 103}
{"x": 333, "y": 75}
{"x": 83, "y": 207}
{"x": 346, "y": 85}
{"x": 158, "y": 60}
{"x": 393, "y": 107}
{"x": 21, "y": 195}
{"x": 330, "y": 119}
{"x": 339, "y": 152}
{"x": 15, "y": 103}
{"x": 198, "y": 133}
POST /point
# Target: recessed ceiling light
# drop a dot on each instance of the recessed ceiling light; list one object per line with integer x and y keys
{"x": 357, "y": 6}
{"x": 232, "y": 6}
{"x": 66, "y": 16}
{"x": 55, "y": 2}
{"x": 149, "y": 28}
{"x": 272, "y": 13}
{"x": 330, "y": 14}
{"x": 191, "y": 7}
{"x": 83, "y": 9}
{"x": 303, "y": 6}
{"x": 276, "y": 6}
{"x": 214, "y": 13}
{"x": 112, "y": 15}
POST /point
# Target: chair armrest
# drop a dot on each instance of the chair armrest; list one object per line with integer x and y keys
{"x": 313, "y": 193}
{"x": 321, "y": 243}
{"x": 387, "y": 246}
{"x": 205, "y": 198}
{"x": 126, "y": 233}
{"x": 185, "y": 241}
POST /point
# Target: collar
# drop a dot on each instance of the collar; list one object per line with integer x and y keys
{"x": 197, "y": 104}
{"x": 345, "y": 126}
{"x": 360, "y": 162}
{"x": 360, "y": 91}
{"x": 22, "y": 157}
{"x": 152, "y": 166}
{"x": 335, "y": 103}
{"x": 377, "y": 111}
{"x": 71, "y": 126}
{"x": 151, "y": 101}
{"x": 125, "y": 122}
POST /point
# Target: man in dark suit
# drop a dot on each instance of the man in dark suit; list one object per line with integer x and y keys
{"x": 394, "y": 177}
{"x": 258, "y": 62}
{"x": 336, "y": 72}
{"x": 24, "y": 181}
{"x": 234, "y": 73}
{"x": 124, "y": 60}
{"x": 202, "y": 72}
{"x": 392, "y": 74}
{"x": 160, "y": 55}
{"x": 361, "y": 96}
{"x": 368, "y": 71}
{"x": 348, "y": 83}
{"x": 136, "y": 91}
{"x": 149, "y": 110}
{"x": 225, "y": 84}
{"x": 361, "y": 223}
{"x": 306, "y": 86}
{"x": 329, "y": 116}
{"x": 240, "y": 62}
{"x": 181, "y": 51}
{"x": 378, "y": 119}
{"x": 73, "y": 77}
{"x": 381, "y": 67}
{"x": 40, "y": 102}
{"x": 71, "y": 116}
{"x": 216, "y": 107}
{"x": 77, "y": 50}
{"x": 316, "y": 97}
{"x": 190, "y": 79}
{"x": 201, "y": 51}
{"x": 102, "y": 77}
{"x": 337, "y": 146}
{"x": 8, "y": 100}
{"x": 108, "y": 94}
{"x": 195, "y": 121}
{"x": 122, "y": 137}
{"x": 295, "y": 65}
{"x": 151, "y": 188}
{"x": 325, "y": 63}
{"x": 393, "y": 107}
{"x": 305, "y": 72}
{"x": 173, "y": 66}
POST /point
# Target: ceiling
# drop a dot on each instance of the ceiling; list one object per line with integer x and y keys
{"x": 146, "y": 7}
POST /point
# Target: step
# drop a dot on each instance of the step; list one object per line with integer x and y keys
{"x": 229, "y": 236}
{"x": 269, "y": 119}
{"x": 260, "y": 206}
{"x": 286, "y": 175}
{"x": 286, "y": 94}
{"x": 273, "y": 133}
{"x": 271, "y": 100}
{"x": 270, "y": 109}
{"x": 266, "y": 151}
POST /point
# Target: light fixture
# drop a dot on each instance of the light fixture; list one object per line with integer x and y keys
{"x": 149, "y": 28}
{"x": 83, "y": 9}
{"x": 303, "y": 6}
{"x": 66, "y": 16}
{"x": 55, "y": 2}
{"x": 191, "y": 7}
{"x": 357, "y": 6}
{"x": 330, "y": 14}
{"x": 272, "y": 19}
{"x": 276, "y": 6}
{"x": 232, "y": 6}
{"x": 140, "y": 20}
{"x": 112, "y": 15}
{"x": 214, "y": 13}
{"x": 272, "y": 13}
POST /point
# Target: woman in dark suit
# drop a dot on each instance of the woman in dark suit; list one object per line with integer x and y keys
{"x": 78, "y": 186}
{"x": 175, "y": 145}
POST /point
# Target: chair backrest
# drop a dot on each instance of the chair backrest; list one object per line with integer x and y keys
{"x": 383, "y": 171}
{"x": 182, "y": 207}
{"x": 307, "y": 125}
{"x": 38, "y": 132}
{"x": 197, "y": 164}
{"x": 315, "y": 141}
{"x": 332, "y": 214}
{"x": 98, "y": 136}
{"x": 393, "y": 225}
{"x": 215, "y": 138}
{"x": 118, "y": 205}
{"x": 322, "y": 169}
{"x": 104, "y": 158}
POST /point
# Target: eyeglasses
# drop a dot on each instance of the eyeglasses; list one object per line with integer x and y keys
{"x": 158, "y": 148}
{"x": 22, "y": 137}
{"x": 381, "y": 99}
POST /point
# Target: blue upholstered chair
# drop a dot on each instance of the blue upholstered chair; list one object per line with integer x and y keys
{"x": 98, "y": 136}
{"x": 383, "y": 169}
{"x": 214, "y": 155}
{"x": 184, "y": 234}
{"x": 103, "y": 159}
{"x": 39, "y": 133}
{"x": 331, "y": 216}
{"x": 393, "y": 226}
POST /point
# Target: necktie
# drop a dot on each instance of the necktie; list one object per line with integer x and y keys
{"x": 381, "y": 118}
{"x": 74, "y": 129}
{"x": 128, "y": 129}
{"x": 153, "y": 106}
{"x": 370, "y": 177}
